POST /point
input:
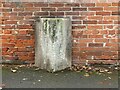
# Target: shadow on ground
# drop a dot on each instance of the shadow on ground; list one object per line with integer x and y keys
{"x": 26, "y": 77}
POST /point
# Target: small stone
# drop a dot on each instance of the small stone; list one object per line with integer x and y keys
{"x": 39, "y": 80}
{"x": 109, "y": 77}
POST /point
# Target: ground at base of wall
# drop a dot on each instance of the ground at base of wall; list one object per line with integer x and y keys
{"x": 23, "y": 76}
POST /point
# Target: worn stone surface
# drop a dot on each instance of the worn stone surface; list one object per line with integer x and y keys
{"x": 53, "y": 44}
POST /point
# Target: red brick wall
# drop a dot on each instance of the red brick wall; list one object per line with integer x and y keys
{"x": 94, "y": 29}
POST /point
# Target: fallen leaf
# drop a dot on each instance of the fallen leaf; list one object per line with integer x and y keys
{"x": 37, "y": 69}
{"x": 86, "y": 75}
{"x": 109, "y": 78}
{"x": 25, "y": 79}
{"x": 13, "y": 70}
{"x": 109, "y": 72}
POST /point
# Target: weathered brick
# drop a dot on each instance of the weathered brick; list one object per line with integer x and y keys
{"x": 71, "y": 13}
{"x": 24, "y": 27}
{"x": 105, "y": 22}
{"x": 7, "y": 31}
{"x": 88, "y": 4}
{"x": 95, "y": 36}
{"x": 27, "y": 4}
{"x": 56, "y": 13}
{"x": 78, "y": 17}
{"x": 10, "y": 22}
{"x": 72, "y": 5}
{"x": 56, "y": 5}
{"x": 89, "y": 22}
{"x": 103, "y": 4}
{"x": 94, "y": 27}
{"x": 24, "y": 13}
{"x": 76, "y": 22}
{"x": 96, "y": 9}
{"x": 95, "y": 17}
{"x": 41, "y": 13}
{"x": 79, "y": 27}
{"x": 95, "y": 44}
{"x": 32, "y": 9}
{"x": 40, "y": 4}
{"x": 79, "y": 9}
{"x": 110, "y": 8}
{"x": 64, "y": 9}
{"x": 48, "y": 9}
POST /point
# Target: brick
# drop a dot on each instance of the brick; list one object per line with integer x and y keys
{"x": 56, "y": 5}
{"x": 103, "y": 32}
{"x": 91, "y": 32}
{"x": 103, "y": 4}
{"x": 115, "y": 4}
{"x": 87, "y": 13}
{"x": 41, "y": 13}
{"x": 94, "y": 27}
{"x": 16, "y": 18}
{"x": 23, "y": 37}
{"x": 71, "y": 13}
{"x": 95, "y": 36}
{"x": 79, "y": 9}
{"x": 6, "y": 9}
{"x": 32, "y": 9}
{"x": 95, "y": 17}
{"x": 24, "y": 13}
{"x": 96, "y": 9}
{"x": 76, "y": 22}
{"x": 40, "y": 4}
{"x": 103, "y": 13}
{"x": 7, "y": 31}
{"x": 110, "y": 8}
{"x": 85, "y": 40}
{"x": 79, "y": 17}
{"x": 23, "y": 32}
{"x": 110, "y": 18}
{"x": 79, "y": 27}
{"x": 8, "y": 27}
{"x": 22, "y": 49}
{"x": 115, "y": 13}
{"x": 111, "y": 32}
{"x": 27, "y": 4}
{"x": 114, "y": 40}
{"x": 10, "y": 22}
{"x": 48, "y": 9}
{"x": 8, "y": 45}
{"x": 64, "y": 9}
{"x": 18, "y": 9}
{"x": 56, "y": 13}
{"x": 102, "y": 40}
{"x": 72, "y": 5}
{"x": 8, "y": 37}
{"x": 24, "y": 27}
{"x": 9, "y": 4}
{"x": 95, "y": 44}
{"x": 7, "y": 14}
{"x": 88, "y": 4}
{"x": 89, "y": 22}
{"x": 105, "y": 22}
{"x": 26, "y": 22}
